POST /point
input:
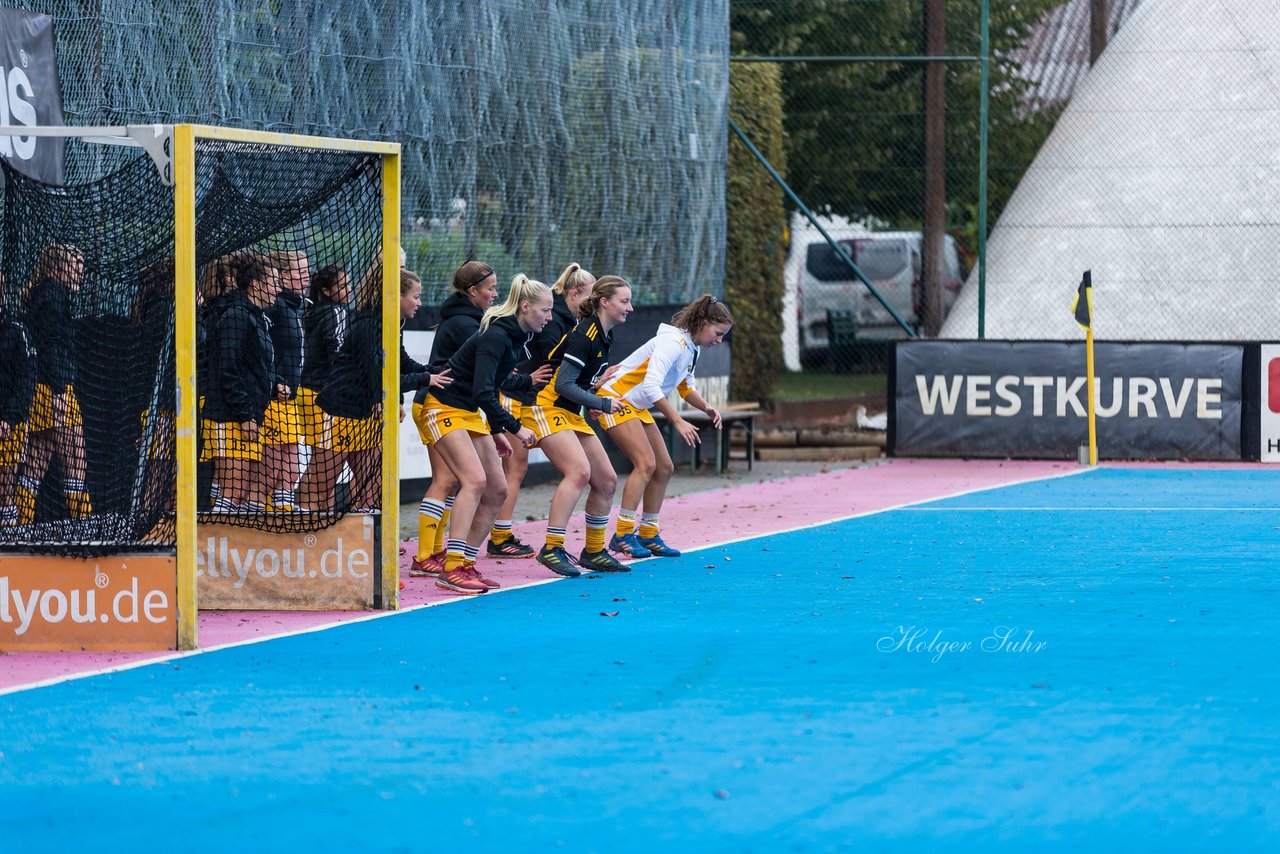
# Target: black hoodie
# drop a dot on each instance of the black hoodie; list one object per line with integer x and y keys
{"x": 48, "y": 311}
{"x": 482, "y": 366}
{"x": 459, "y": 320}
{"x": 18, "y": 378}
{"x": 354, "y": 386}
{"x": 241, "y": 363}
{"x": 539, "y": 349}
{"x": 286, "y": 337}
{"x": 325, "y": 328}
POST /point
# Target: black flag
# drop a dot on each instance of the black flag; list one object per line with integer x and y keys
{"x": 1082, "y": 308}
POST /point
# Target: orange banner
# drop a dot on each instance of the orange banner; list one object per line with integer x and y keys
{"x": 242, "y": 568}
{"x": 122, "y": 602}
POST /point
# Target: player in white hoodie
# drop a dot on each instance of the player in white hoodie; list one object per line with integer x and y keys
{"x": 642, "y": 382}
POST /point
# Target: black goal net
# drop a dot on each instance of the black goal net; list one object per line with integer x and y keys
{"x": 288, "y": 266}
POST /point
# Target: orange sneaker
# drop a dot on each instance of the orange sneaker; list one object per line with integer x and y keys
{"x": 461, "y": 580}
{"x": 470, "y": 566}
{"x": 428, "y": 567}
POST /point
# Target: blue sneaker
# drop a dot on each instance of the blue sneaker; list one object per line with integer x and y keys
{"x": 658, "y": 548}
{"x": 628, "y": 545}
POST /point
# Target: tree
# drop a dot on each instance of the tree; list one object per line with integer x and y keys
{"x": 855, "y": 129}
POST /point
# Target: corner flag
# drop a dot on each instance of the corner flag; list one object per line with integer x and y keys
{"x": 1082, "y": 308}
{"x": 1083, "y": 311}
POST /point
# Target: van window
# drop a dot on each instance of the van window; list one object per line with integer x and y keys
{"x": 878, "y": 259}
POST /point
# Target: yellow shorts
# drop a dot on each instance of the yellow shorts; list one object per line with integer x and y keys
{"x": 225, "y": 440}
{"x": 514, "y": 407}
{"x": 42, "y": 417}
{"x": 546, "y": 420}
{"x": 352, "y": 434}
{"x": 281, "y": 426}
{"x": 311, "y": 418}
{"x": 13, "y": 447}
{"x": 162, "y": 435}
{"x": 435, "y": 420}
{"x": 624, "y": 414}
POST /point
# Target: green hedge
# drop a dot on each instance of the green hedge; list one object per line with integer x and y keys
{"x": 756, "y": 242}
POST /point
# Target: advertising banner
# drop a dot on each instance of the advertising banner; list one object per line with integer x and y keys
{"x": 122, "y": 602}
{"x": 30, "y": 94}
{"x": 243, "y": 568}
{"x": 1027, "y": 399}
{"x": 1270, "y": 409}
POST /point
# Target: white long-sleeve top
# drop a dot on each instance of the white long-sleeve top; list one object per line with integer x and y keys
{"x": 661, "y": 365}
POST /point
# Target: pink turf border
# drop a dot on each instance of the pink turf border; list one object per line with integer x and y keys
{"x": 688, "y": 522}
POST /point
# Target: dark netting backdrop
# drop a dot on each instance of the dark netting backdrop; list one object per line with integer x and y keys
{"x": 535, "y": 133}
{"x": 288, "y": 267}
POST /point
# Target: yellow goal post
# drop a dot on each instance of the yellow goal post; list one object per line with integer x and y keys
{"x": 173, "y": 150}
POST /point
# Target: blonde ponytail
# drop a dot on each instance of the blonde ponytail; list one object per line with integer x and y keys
{"x": 523, "y": 289}
{"x": 572, "y": 278}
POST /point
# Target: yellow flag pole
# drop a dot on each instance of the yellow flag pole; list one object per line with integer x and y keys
{"x": 1088, "y": 349}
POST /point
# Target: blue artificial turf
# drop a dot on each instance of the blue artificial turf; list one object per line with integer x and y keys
{"x": 758, "y": 696}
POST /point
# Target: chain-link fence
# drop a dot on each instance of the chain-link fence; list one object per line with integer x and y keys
{"x": 535, "y": 132}
{"x": 1150, "y": 163}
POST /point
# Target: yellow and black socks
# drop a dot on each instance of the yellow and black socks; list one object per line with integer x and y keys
{"x": 430, "y": 514}
{"x": 455, "y": 555}
{"x": 555, "y": 537}
{"x": 501, "y": 532}
{"x": 443, "y": 528}
{"x": 77, "y": 498}
{"x": 626, "y": 522}
{"x": 648, "y": 526}
{"x": 596, "y": 526}
{"x": 470, "y": 553}
{"x": 24, "y": 495}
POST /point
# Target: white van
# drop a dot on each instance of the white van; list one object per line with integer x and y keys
{"x": 817, "y": 281}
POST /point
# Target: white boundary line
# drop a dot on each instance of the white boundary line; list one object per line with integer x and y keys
{"x": 1090, "y": 509}
{"x": 909, "y": 505}
{"x": 164, "y": 658}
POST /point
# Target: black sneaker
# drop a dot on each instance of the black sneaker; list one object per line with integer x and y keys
{"x": 556, "y": 559}
{"x": 509, "y": 548}
{"x": 601, "y": 561}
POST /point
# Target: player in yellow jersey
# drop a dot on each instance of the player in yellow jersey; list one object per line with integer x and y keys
{"x": 579, "y": 361}
{"x": 568, "y": 292}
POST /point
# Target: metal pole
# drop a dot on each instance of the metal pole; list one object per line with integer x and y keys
{"x": 934, "y": 234}
{"x": 983, "y": 120}
{"x": 1097, "y": 29}
{"x": 804, "y": 209}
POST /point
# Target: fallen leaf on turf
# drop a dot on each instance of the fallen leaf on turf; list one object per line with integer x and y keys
{"x": 608, "y": 613}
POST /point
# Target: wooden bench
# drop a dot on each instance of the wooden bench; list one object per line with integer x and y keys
{"x": 734, "y": 416}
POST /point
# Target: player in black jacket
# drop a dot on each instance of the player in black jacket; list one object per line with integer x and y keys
{"x": 55, "y": 427}
{"x": 242, "y": 381}
{"x": 352, "y": 398}
{"x": 282, "y": 428}
{"x": 475, "y": 288}
{"x": 17, "y": 390}
{"x": 325, "y": 328}
{"x": 573, "y": 286}
{"x": 453, "y": 421}
{"x": 579, "y": 362}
